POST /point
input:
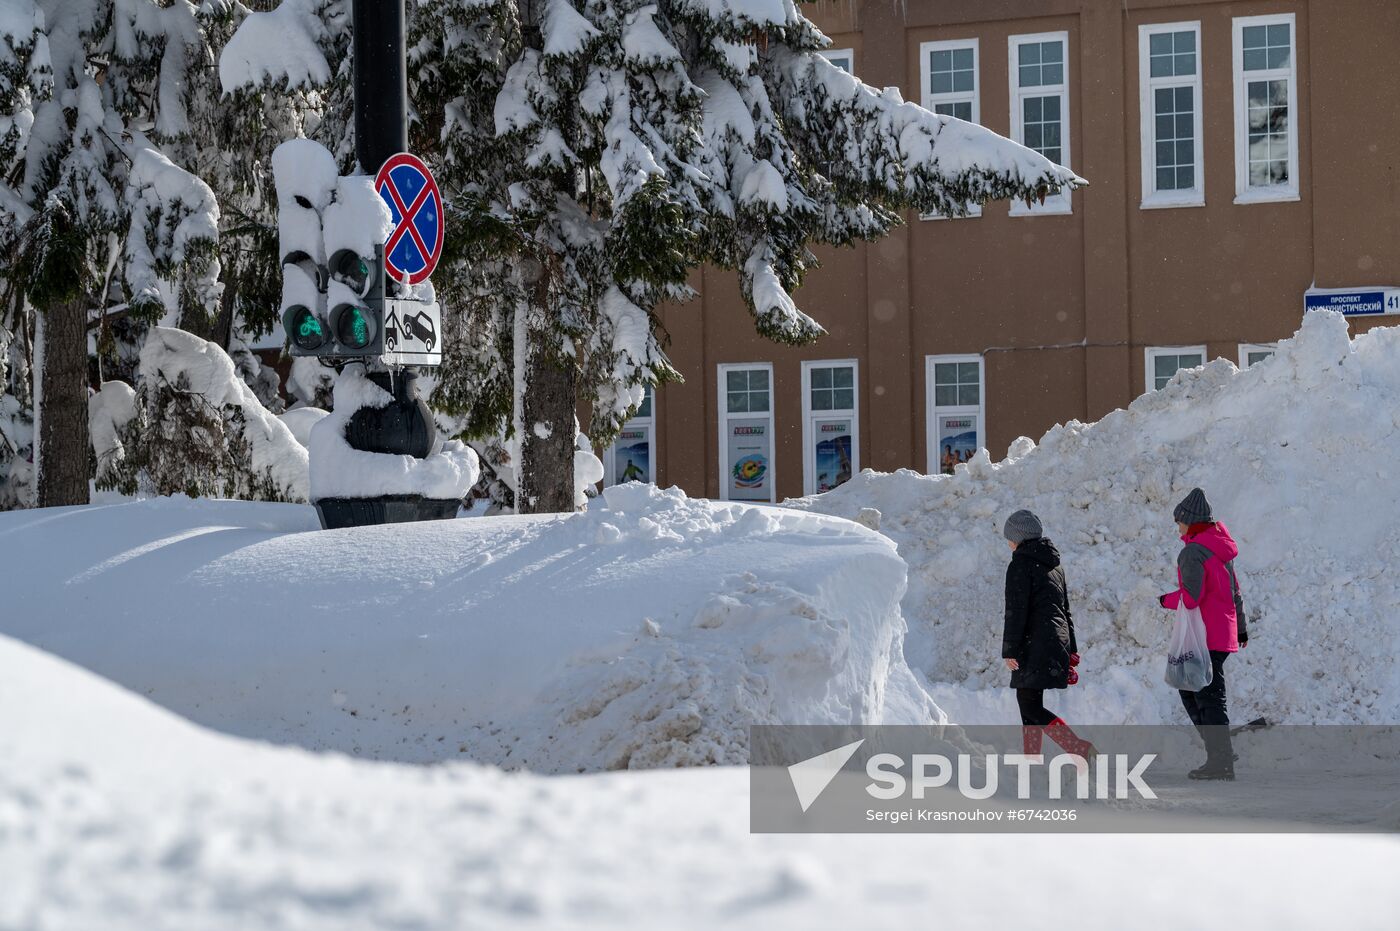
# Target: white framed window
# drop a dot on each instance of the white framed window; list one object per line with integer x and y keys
{"x": 830, "y": 424}
{"x": 746, "y": 432}
{"x": 949, "y": 86}
{"x": 1169, "y": 81}
{"x": 1163, "y": 362}
{"x": 956, "y": 405}
{"x": 632, "y": 456}
{"x": 1266, "y": 108}
{"x": 1039, "y": 69}
{"x": 843, "y": 58}
{"x": 1254, "y": 353}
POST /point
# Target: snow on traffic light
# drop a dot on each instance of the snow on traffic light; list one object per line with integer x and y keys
{"x": 340, "y": 299}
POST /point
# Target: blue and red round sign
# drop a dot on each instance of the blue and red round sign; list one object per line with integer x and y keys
{"x": 414, "y": 247}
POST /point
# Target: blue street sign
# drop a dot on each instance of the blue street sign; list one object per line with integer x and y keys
{"x": 1356, "y": 302}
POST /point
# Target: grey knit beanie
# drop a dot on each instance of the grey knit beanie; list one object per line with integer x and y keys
{"x": 1022, "y": 526}
{"x": 1193, "y": 509}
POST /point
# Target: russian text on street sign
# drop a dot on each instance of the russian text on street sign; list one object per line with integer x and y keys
{"x": 415, "y": 203}
{"x": 412, "y": 333}
{"x": 1354, "y": 302}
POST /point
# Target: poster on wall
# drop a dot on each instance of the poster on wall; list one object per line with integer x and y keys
{"x": 957, "y": 440}
{"x": 831, "y": 460}
{"x": 749, "y": 459}
{"x": 632, "y": 456}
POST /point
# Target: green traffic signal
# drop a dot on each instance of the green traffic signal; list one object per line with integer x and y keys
{"x": 306, "y": 330}
{"x": 352, "y": 328}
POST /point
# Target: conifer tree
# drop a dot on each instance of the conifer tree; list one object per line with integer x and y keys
{"x": 95, "y": 217}
{"x": 594, "y": 153}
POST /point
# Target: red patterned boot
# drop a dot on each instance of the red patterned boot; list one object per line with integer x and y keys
{"x": 1031, "y": 736}
{"x": 1058, "y": 731}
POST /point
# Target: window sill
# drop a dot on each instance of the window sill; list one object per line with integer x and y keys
{"x": 1167, "y": 203}
{"x": 1268, "y": 196}
{"x": 1048, "y": 209}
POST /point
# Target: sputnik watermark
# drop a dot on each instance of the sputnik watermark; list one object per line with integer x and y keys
{"x": 1117, "y": 778}
{"x": 1113, "y": 777}
{"x": 1103, "y": 777}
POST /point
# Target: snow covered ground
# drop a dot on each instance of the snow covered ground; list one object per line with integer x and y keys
{"x": 650, "y": 631}
{"x": 116, "y": 814}
{"x": 1297, "y": 456}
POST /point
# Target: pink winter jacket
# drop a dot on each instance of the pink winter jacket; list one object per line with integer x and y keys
{"x": 1204, "y": 573}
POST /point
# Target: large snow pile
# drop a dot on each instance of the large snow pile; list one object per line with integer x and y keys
{"x": 117, "y": 815}
{"x": 1297, "y": 456}
{"x": 650, "y": 631}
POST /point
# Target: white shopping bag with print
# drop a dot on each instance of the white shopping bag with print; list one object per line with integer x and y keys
{"x": 1188, "y": 660}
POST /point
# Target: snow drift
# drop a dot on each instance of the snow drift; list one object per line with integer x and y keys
{"x": 118, "y": 815}
{"x": 1296, "y": 454}
{"x": 650, "y": 631}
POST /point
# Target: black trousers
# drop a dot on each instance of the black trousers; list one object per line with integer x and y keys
{"x": 1032, "y": 703}
{"x": 1208, "y": 710}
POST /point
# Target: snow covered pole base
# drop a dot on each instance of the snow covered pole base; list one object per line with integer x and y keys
{"x": 377, "y": 459}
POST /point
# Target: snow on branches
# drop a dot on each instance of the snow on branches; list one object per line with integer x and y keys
{"x": 623, "y": 144}
{"x": 194, "y": 427}
{"x": 282, "y": 46}
{"x": 174, "y": 229}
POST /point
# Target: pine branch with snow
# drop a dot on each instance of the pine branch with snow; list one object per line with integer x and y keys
{"x": 198, "y": 429}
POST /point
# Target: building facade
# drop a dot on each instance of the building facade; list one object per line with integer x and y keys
{"x": 1241, "y": 155}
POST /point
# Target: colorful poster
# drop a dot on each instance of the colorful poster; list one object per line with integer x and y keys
{"x": 957, "y": 440}
{"x": 632, "y": 456}
{"x": 831, "y": 459}
{"x": 750, "y": 452}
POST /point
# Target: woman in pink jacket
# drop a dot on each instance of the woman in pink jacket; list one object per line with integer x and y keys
{"x": 1206, "y": 573}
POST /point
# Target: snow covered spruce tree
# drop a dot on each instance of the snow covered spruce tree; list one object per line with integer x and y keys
{"x": 95, "y": 218}
{"x": 596, "y": 153}
{"x": 593, "y": 154}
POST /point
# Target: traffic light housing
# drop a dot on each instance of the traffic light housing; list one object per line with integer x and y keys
{"x": 338, "y": 310}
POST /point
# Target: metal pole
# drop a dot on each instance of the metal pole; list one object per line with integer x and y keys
{"x": 381, "y": 82}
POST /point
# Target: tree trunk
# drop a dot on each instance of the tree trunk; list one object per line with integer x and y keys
{"x": 547, "y": 461}
{"x": 63, "y": 406}
{"x": 222, "y": 332}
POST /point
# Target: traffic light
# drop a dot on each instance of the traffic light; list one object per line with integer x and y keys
{"x": 356, "y": 297}
{"x": 343, "y": 317}
{"x": 345, "y": 295}
{"x": 303, "y": 287}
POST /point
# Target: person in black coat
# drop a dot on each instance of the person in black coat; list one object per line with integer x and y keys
{"x": 1038, "y": 642}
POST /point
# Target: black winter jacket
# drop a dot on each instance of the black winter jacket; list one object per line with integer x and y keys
{"x": 1039, "y": 631}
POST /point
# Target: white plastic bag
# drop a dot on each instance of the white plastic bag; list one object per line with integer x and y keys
{"x": 1188, "y": 660}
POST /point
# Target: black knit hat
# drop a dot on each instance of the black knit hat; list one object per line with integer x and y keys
{"x": 1193, "y": 509}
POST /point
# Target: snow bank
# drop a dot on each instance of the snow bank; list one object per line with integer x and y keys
{"x": 340, "y": 471}
{"x": 118, "y": 815}
{"x": 649, "y": 631}
{"x": 1296, "y": 454}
